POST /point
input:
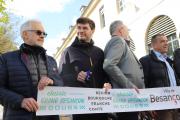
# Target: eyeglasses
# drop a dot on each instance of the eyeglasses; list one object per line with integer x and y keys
{"x": 40, "y": 33}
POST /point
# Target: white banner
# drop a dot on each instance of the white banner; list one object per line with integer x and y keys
{"x": 69, "y": 100}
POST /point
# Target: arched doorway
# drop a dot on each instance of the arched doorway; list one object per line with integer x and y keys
{"x": 162, "y": 24}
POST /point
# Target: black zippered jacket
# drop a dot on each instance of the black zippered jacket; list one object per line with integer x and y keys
{"x": 177, "y": 62}
{"x": 155, "y": 71}
{"x": 81, "y": 56}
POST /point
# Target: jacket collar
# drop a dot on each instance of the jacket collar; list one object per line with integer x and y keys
{"x": 82, "y": 44}
{"x": 32, "y": 49}
{"x": 153, "y": 55}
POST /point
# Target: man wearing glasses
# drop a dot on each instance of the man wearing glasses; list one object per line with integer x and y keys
{"x": 23, "y": 72}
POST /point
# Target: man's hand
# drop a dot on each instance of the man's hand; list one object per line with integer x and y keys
{"x": 82, "y": 76}
{"x": 136, "y": 89}
{"x": 29, "y": 104}
{"x": 107, "y": 86}
{"x": 44, "y": 81}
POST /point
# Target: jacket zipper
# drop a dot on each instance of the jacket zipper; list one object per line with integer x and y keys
{"x": 91, "y": 65}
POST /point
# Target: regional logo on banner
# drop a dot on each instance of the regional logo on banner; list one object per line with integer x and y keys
{"x": 68, "y": 100}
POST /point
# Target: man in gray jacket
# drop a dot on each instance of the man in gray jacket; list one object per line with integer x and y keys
{"x": 122, "y": 66}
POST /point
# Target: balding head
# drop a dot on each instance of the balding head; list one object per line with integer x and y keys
{"x": 114, "y": 26}
{"x": 117, "y": 28}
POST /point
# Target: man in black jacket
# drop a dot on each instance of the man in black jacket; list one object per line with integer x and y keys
{"x": 158, "y": 71}
{"x": 177, "y": 62}
{"x": 23, "y": 72}
{"x": 81, "y": 64}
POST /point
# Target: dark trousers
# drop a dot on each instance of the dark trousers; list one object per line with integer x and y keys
{"x": 127, "y": 116}
{"x": 167, "y": 114}
{"x": 99, "y": 116}
{"x": 52, "y": 117}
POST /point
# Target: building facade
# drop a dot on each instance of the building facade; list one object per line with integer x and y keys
{"x": 144, "y": 18}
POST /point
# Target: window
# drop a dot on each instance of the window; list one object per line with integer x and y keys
{"x": 163, "y": 24}
{"x": 173, "y": 44}
{"x": 102, "y": 16}
{"x": 132, "y": 45}
{"x": 120, "y": 5}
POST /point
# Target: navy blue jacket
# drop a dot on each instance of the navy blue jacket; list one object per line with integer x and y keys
{"x": 177, "y": 62}
{"x": 16, "y": 84}
{"x": 155, "y": 71}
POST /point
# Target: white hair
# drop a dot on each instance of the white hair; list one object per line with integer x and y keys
{"x": 28, "y": 25}
{"x": 114, "y": 25}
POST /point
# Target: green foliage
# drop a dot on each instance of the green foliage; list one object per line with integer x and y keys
{"x": 6, "y": 45}
{"x": 3, "y": 14}
{"x": 6, "y": 38}
{"x": 7, "y": 33}
{"x": 2, "y": 4}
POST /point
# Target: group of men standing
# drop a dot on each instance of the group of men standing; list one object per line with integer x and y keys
{"x": 25, "y": 71}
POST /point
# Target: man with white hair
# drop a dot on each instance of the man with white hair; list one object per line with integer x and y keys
{"x": 23, "y": 72}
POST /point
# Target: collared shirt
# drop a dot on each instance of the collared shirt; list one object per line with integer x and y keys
{"x": 171, "y": 74}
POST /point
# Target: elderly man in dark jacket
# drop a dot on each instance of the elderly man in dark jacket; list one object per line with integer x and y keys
{"x": 23, "y": 72}
{"x": 81, "y": 64}
{"x": 158, "y": 71}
